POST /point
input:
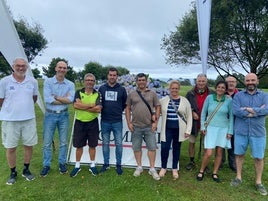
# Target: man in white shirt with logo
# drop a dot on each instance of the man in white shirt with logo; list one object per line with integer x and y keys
{"x": 18, "y": 94}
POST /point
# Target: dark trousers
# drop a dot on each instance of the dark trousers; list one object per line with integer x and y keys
{"x": 172, "y": 135}
{"x": 231, "y": 155}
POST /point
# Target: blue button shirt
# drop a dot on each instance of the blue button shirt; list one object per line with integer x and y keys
{"x": 54, "y": 88}
{"x": 250, "y": 126}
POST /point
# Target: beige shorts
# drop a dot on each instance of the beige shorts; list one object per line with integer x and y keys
{"x": 192, "y": 138}
{"x": 12, "y": 131}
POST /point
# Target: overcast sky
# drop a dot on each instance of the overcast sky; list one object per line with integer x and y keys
{"x": 116, "y": 32}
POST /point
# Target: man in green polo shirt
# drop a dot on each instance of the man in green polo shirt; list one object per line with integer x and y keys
{"x": 87, "y": 104}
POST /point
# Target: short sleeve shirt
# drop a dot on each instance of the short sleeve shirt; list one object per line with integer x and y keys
{"x": 18, "y": 102}
{"x": 141, "y": 116}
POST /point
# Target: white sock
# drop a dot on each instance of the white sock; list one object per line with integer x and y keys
{"x": 152, "y": 169}
{"x": 92, "y": 164}
{"x": 77, "y": 164}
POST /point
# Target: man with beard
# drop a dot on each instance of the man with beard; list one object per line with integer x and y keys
{"x": 142, "y": 124}
{"x": 250, "y": 108}
{"x": 114, "y": 98}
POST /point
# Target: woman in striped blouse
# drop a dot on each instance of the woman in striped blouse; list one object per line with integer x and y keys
{"x": 176, "y": 127}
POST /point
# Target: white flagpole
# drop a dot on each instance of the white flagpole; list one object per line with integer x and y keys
{"x": 203, "y": 19}
{"x": 10, "y": 44}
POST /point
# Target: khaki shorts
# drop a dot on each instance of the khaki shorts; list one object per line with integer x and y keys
{"x": 192, "y": 138}
{"x": 12, "y": 131}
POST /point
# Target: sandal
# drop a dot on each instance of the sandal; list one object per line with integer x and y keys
{"x": 162, "y": 172}
{"x": 175, "y": 174}
{"x": 200, "y": 176}
{"x": 216, "y": 178}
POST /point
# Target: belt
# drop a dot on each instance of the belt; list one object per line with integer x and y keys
{"x": 57, "y": 111}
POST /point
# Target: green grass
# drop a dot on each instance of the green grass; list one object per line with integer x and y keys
{"x": 110, "y": 186}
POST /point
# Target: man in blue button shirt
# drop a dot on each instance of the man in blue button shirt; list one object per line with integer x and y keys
{"x": 250, "y": 108}
{"x": 58, "y": 93}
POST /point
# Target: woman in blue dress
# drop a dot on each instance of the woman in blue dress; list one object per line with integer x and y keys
{"x": 216, "y": 128}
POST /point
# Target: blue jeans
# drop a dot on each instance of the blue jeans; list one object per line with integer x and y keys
{"x": 106, "y": 129}
{"x": 172, "y": 135}
{"x": 51, "y": 122}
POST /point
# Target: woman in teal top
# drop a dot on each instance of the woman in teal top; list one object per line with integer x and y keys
{"x": 218, "y": 131}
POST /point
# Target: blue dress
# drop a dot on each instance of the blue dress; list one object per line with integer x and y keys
{"x": 221, "y": 123}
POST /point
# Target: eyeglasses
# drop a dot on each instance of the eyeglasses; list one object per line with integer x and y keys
{"x": 89, "y": 80}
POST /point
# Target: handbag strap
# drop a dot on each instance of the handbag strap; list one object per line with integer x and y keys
{"x": 146, "y": 103}
{"x": 214, "y": 112}
{"x": 176, "y": 110}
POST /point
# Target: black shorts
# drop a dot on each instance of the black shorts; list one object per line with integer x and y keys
{"x": 86, "y": 132}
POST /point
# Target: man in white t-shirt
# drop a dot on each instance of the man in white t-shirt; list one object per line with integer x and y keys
{"x": 18, "y": 94}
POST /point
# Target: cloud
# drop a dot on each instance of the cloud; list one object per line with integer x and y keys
{"x": 111, "y": 32}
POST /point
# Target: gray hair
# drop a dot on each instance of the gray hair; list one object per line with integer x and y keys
{"x": 89, "y": 75}
{"x": 201, "y": 75}
{"x": 20, "y": 58}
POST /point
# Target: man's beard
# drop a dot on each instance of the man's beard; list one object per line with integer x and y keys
{"x": 251, "y": 87}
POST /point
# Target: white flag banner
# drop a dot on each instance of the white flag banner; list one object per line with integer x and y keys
{"x": 10, "y": 44}
{"x": 128, "y": 159}
{"x": 203, "y": 20}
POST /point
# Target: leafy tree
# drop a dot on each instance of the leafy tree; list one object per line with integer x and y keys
{"x": 50, "y": 70}
{"x": 32, "y": 41}
{"x": 100, "y": 72}
{"x": 238, "y": 38}
{"x": 31, "y": 38}
{"x": 36, "y": 73}
{"x": 185, "y": 82}
{"x": 95, "y": 68}
{"x": 122, "y": 71}
{"x": 5, "y": 68}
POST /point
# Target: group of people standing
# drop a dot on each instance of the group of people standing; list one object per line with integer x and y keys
{"x": 225, "y": 118}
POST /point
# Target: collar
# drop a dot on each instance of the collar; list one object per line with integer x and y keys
{"x": 222, "y": 98}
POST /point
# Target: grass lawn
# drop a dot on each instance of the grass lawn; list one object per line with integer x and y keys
{"x": 110, "y": 186}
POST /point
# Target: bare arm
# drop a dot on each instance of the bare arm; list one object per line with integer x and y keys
{"x": 34, "y": 99}
{"x": 96, "y": 109}
{"x": 128, "y": 118}
{"x": 82, "y": 106}
{"x": 1, "y": 101}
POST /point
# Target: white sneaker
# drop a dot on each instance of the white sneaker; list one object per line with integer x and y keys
{"x": 138, "y": 172}
{"x": 154, "y": 174}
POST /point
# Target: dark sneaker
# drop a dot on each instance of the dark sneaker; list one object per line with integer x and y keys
{"x": 190, "y": 165}
{"x": 93, "y": 170}
{"x": 236, "y": 182}
{"x": 12, "y": 179}
{"x": 119, "y": 170}
{"x": 28, "y": 175}
{"x": 74, "y": 172}
{"x": 44, "y": 172}
{"x": 63, "y": 169}
{"x": 261, "y": 189}
{"x": 104, "y": 168}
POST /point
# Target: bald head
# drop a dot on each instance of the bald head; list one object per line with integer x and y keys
{"x": 61, "y": 70}
{"x": 251, "y": 82}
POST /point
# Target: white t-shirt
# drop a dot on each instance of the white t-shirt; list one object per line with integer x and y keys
{"x": 18, "y": 102}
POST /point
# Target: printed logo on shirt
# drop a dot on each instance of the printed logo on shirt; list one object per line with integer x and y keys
{"x": 11, "y": 88}
{"x": 111, "y": 95}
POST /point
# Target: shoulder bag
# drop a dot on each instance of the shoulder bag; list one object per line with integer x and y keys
{"x": 146, "y": 103}
{"x": 176, "y": 110}
{"x": 212, "y": 114}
